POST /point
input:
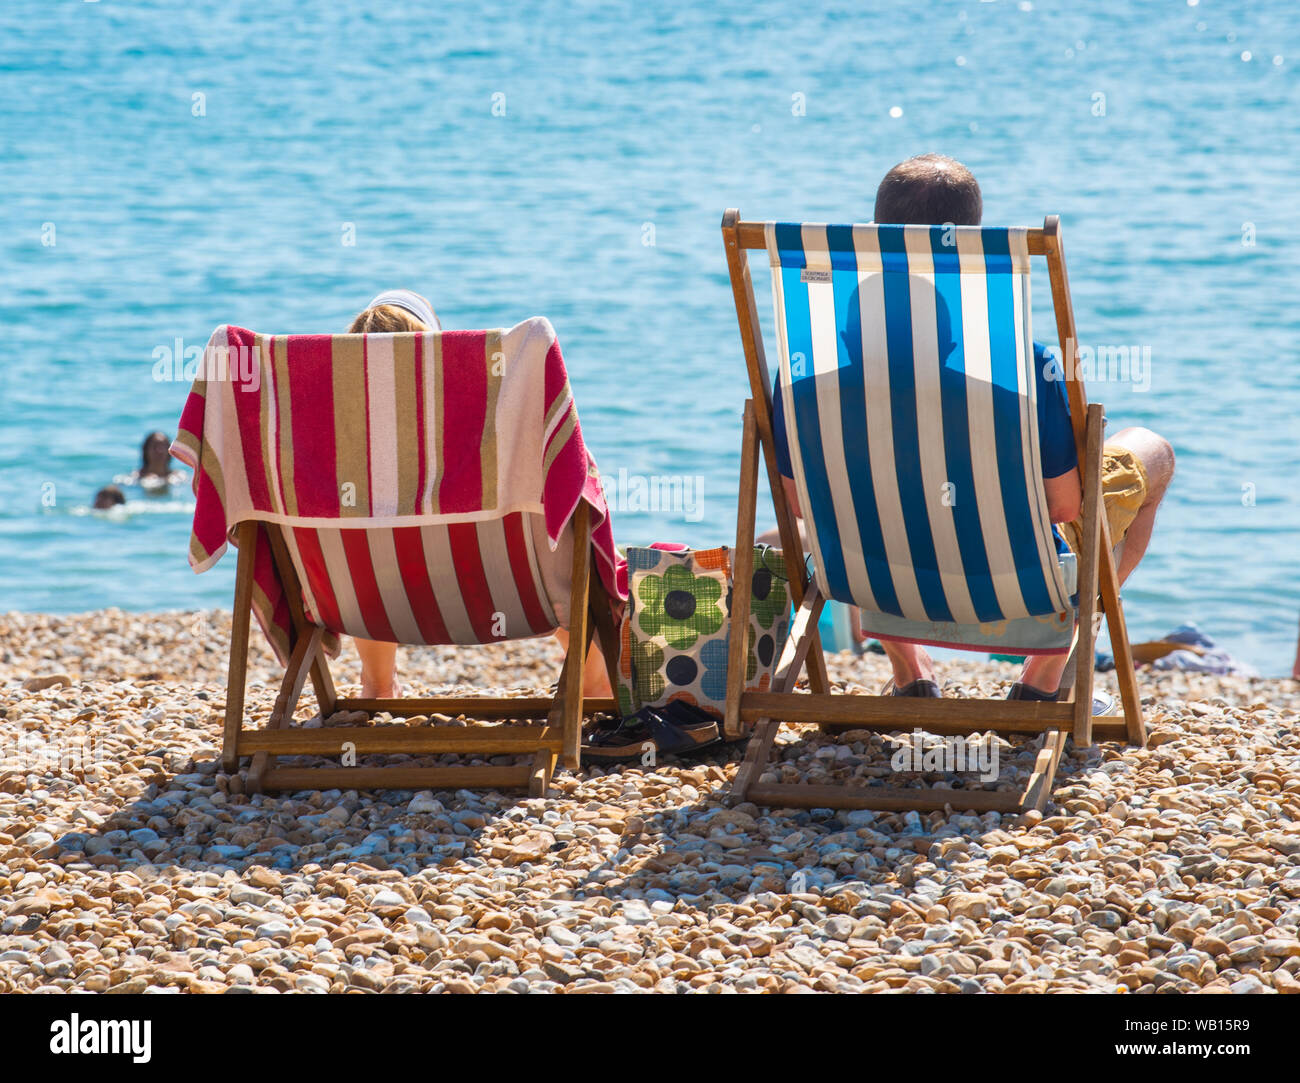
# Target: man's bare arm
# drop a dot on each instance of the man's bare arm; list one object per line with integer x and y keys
{"x": 1064, "y": 497}
{"x": 792, "y": 497}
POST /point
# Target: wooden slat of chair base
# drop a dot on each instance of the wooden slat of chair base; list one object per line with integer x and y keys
{"x": 553, "y": 735}
{"x": 948, "y": 717}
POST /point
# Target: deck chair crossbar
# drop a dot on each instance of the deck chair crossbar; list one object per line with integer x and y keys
{"x": 544, "y": 729}
{"x": 1051, "y": 722}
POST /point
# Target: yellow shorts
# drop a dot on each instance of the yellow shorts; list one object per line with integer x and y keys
{"x": 1123, "y": 492}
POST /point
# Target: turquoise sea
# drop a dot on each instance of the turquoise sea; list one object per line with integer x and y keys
{"x": 169, "y": 166}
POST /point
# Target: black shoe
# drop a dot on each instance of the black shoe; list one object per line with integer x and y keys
{"x": 1103, "y": 703}
{"x": 1033, "y": 695}
{"x": 921, "y": 688}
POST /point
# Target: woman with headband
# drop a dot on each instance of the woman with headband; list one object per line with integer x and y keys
{"x": 394, "y": 312}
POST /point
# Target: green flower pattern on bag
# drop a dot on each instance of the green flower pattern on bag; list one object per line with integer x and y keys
{"x": 647, "y": 661}
{"x": 680, "y": 606}
{"x": 678, "y": 626}
{"x": 770, "y": 598}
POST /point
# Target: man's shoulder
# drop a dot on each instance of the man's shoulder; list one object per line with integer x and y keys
{"x": 1047, "y": 367}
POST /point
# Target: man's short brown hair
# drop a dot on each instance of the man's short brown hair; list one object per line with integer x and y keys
{"x": 929, "y": 190}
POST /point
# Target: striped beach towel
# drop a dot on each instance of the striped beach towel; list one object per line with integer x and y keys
{"x": 910, "y": 405}
{"x": 425, "y": 481}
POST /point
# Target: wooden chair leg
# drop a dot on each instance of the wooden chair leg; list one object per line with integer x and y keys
{"x": 602, "y": 619}
{"x": 793, "y": 657}
{"x": 1089, "y": 542}
{"x": 803, "y": 636}
{"x": 237, "y": 672}
{"x": 579, "y": 636}
{"x": 1039, "y": 788}
{"x": 304, "y": 654}
{"x": 1125, "y": 671}
{"x": 321, "y": 681}
{"x": 757, "y": 753}
{"x": 539, "y": 780}
{"x": 742, "y": 575}
{"x": 323, "y": 685}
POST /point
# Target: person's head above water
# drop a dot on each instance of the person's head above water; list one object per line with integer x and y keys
{"x": 395, "y": 311}
{"x": 108, "y": 497}
{"x": 929, "y": 190}
{"x": 155, "y": 454}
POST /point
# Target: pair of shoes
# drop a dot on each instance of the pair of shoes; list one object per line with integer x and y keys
{"x": 1103, "y": 703}
{"x": 921, "y": 688}
{"x": 674, "y": 729}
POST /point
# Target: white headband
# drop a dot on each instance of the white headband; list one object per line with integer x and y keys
{"x": 411, "y": 302}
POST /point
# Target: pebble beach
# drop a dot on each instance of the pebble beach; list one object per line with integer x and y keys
{"x": 129, "y": 862}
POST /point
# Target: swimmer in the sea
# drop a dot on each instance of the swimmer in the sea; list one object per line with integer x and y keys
{"x": 110, "y": 496}
{"x": 155, "y": 473}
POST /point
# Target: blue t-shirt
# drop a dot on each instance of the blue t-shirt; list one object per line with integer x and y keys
{"x": 1055, "y": 435}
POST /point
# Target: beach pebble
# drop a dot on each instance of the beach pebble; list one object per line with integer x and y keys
{"x": 40, "y": 684}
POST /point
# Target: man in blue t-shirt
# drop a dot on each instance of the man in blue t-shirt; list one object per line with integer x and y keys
{"x": 1137, "y": 463}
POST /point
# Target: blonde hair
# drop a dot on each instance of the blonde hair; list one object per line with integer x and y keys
{"x": 385, "y": 319}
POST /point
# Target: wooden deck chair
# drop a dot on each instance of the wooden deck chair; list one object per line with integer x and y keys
{"x": 480, "y": 572}
{"x": 910, "y": 408}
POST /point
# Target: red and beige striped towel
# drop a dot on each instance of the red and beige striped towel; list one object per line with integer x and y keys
{"x": 383, "y": 431}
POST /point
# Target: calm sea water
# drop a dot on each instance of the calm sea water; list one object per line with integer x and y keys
{"x": 198, "y": 163}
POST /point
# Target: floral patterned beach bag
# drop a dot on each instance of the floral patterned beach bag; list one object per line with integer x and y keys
{"x": 677, "y": 626}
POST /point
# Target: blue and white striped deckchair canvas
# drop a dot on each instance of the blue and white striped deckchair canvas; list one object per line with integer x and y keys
{"x": 909, "y": 397}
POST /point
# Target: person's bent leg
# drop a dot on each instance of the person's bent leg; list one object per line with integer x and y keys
{"x": 378, "y": 669}
{"x": 1156, "y": 455}
{"x": 1042, "y": 672}
{"x": 595, "y": 679}
{"x": 911, "y": 662}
